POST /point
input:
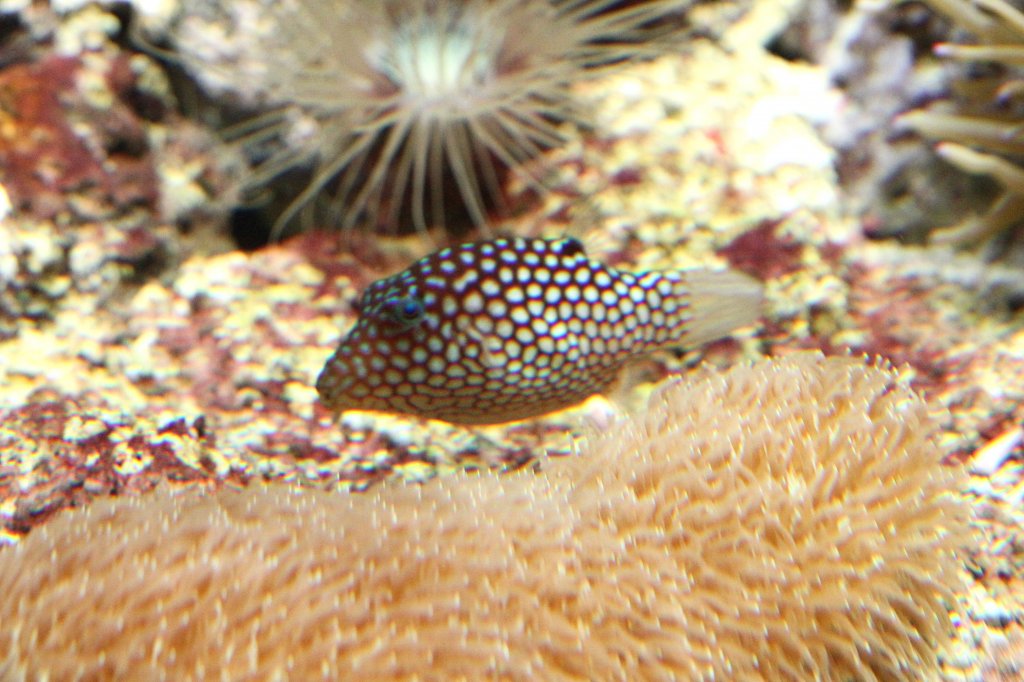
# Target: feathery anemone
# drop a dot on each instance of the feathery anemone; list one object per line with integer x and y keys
{"x": 409, "y": 108}
{"x": 790, "y": 520}
{"x": 973, "y": 142}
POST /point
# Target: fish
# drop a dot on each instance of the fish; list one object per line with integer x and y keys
{"x": 509, "y": 329}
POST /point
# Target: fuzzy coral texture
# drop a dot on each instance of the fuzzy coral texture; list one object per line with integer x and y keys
{"x": 789, "y": 520}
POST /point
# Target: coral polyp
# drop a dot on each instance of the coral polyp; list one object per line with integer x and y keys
{"x": 411, "y": 112}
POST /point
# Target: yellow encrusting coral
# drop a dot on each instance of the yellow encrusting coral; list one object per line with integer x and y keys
{"x": 790, "y": 520}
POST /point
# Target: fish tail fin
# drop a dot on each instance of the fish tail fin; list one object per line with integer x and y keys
{"x": 718, "y": 302}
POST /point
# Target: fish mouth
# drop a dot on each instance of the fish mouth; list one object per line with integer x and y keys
{"x": 332, "y": 386}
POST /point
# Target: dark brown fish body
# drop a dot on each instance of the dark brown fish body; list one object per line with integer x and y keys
{"x": 513, "y": 328}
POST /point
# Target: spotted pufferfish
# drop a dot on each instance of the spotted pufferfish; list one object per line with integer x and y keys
{"x": 509, "y": 329}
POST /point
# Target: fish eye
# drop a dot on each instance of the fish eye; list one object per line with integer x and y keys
{"x": 411, "y": 308}
{"x": 405, "y": 312}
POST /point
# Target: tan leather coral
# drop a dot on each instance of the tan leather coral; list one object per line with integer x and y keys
{"x": 784, "y": 521}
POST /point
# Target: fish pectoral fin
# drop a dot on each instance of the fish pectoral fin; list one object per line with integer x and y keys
{"x": 469, "y": 336}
